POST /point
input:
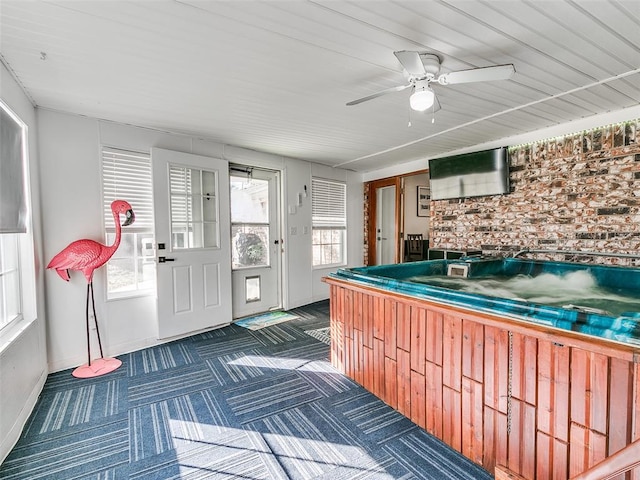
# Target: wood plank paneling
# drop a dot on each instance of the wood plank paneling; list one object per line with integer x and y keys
{"x": 522, "y": 439}
{"x": 357, "y": 349}
{"x": 335, "y": 329}
{"x": 620, "y": 405}
{"x": 552, "y": 457}
{"x": 348, "y": 317}
{"x": 449, "y": 373}
{"x": 378, "y": 317}
{"x": 390, "y": 329}
{"x": 403, "y": 375}
{"x": 553, "y": 389}
{"x": 586, "y": 448}
{"x": 524, "y": 370}
{"x": 368, "y": 312}
{"x": 496, "y": 365}
{"x": 368, "y": 368}
{"x": 403, "y": 326}
{"x": 418, "y": 339}
{"x": 433, "y": 395}
{"x": 636, "y": 400}
{"x": 452, "y": 418}
{"x": 390, "y": 395}
{"x": 434, "y": 337}
{"x": 378, "y": 368}
{"x": 472, "y": 420}
{"x": 452, "y": 352}
{"x": 589, "y": 378}
{"x": 418, "y": 413}
{"x": 503, "y": 473}
{"x": 635, "y": 415}
{"x": 349, "y": 365}
{"x": 473, "y": 350}
{"x": 495, "y": 439}
{"x": 358, "y": 311}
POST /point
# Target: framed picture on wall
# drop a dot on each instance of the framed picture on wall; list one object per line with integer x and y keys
{"x": 423, "y": 201}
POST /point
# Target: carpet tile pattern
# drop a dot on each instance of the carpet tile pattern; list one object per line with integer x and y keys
{"x": 227, "y": 404}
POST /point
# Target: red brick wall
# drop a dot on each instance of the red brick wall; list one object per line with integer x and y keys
{"x": 579, "y": 192}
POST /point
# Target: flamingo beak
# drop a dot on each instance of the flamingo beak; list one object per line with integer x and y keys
{"x": 130, "y": 218}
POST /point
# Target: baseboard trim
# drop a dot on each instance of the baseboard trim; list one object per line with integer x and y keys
{"x": 12, "y": 437}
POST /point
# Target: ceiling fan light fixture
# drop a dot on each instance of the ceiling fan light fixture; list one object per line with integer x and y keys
{"x": 422, "y": 98}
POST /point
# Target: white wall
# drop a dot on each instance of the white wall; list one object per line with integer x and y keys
{"x": 23, "y": 366}
{"x": 71, "y": 197}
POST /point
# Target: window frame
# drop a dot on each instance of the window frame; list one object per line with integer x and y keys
{"x": 25, "y": 248}
{"x": 244, "y": 225}
{"x": 333, "y": 218}
{"x": 17, "y": 269}
{"x": 136, "y": 230}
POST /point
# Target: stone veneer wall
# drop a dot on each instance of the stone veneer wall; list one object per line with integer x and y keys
{"x": 579, "y": 192}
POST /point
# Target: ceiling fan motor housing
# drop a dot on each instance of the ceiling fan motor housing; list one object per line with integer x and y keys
{"x": 431, "y": 63}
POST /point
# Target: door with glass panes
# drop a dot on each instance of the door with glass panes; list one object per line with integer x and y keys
{"x": 191, "y": 209}
{"x": 256, "y": 244}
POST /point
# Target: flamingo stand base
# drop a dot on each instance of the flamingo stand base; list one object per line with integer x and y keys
{"x": 99, "y": 366}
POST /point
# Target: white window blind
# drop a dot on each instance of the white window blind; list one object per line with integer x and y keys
{"x": 126, "y": 175}
{"x": 329, "y": 222}
{"x": 328, "y": 203}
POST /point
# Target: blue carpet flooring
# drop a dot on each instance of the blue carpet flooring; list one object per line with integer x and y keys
{"x": 227, "y": 404}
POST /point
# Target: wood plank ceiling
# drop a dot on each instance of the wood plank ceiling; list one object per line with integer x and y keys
{"x": 274, "y": 76}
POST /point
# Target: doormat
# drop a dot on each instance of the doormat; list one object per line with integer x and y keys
{"x": 257, "y": 322}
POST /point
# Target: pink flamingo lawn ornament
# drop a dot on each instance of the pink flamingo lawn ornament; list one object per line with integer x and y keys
{"x": 88, "y": 255}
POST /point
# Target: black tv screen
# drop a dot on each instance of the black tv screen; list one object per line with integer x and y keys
{"x": 470, "y": 175}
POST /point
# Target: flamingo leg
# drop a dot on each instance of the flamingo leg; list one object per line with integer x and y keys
{"x": 86, "y": 311}
{"x": 95, "y": 319}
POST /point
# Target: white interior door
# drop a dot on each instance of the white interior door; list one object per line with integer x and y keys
{"x": 385, "y": 225}
{"x": 192, "y": 228}
{"x": 256, "y": 244}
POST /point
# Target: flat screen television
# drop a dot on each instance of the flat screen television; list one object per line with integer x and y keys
{"x": 470, "y": 175}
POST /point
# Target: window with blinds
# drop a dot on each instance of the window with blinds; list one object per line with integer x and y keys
{"x": 126, "y": 175}
{"x": 329, "y": 222}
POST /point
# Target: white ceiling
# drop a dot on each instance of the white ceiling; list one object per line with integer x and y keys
{"x": 274, "y": 76}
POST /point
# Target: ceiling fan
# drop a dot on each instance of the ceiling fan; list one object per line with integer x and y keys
{"x": 423, "y": 68}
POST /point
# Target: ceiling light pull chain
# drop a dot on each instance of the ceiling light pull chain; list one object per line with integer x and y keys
{"x": 409, "y": 114}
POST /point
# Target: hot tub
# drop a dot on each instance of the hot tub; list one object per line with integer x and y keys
{"x": 527, "y": 367}
{"x": 598, "y": 300}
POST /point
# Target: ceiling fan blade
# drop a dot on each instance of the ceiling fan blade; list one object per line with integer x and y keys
{"x": 399, "y": 88}
{"x": 436, "y": 106}
{"x": 411, "y": 62}
{"x": 483, "y": 74}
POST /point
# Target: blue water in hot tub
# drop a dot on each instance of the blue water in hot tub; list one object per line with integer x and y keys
{"x": 599, "y": 300}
